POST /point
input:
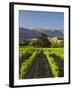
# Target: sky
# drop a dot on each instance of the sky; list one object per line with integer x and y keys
{"x": 41, "y": 19}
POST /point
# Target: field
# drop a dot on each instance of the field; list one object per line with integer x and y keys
{"x": 41, "y": 62}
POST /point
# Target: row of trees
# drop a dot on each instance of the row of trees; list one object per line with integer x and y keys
{"x": 43, "y": 41}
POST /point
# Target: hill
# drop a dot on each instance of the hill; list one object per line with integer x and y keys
{"x": 26, "y": 33}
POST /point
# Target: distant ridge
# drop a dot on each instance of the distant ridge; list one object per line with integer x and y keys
{"x": 26, "y": 33}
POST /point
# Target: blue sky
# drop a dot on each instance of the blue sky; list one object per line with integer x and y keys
{"x": 41, "y": 19}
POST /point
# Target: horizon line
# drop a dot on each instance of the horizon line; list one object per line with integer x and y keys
{"x": 41, "y": 28}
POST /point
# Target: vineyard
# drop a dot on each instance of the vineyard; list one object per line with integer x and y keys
{"x": 41, "y": 62}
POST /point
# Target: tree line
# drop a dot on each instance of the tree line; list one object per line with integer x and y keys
{"x": 43, "y": 41}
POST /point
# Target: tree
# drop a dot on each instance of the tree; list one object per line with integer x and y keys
{"x": 42, "y": 41}
{"x": 56, "y": 42}
{"x": 23, "y": 43}
{"x": 32, "y": 43}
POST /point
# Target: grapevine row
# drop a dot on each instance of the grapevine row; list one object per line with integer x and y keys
{"x": 25, "y": 67}
{"x": 24, "y": 51}
{"x": 52, "y": 63}
{"x": 58, "y": 52}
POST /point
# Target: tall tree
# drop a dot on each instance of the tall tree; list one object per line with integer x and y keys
{"x": 42, "y": 41}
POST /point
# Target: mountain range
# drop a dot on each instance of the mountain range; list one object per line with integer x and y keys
{"x": 26, "y": 33}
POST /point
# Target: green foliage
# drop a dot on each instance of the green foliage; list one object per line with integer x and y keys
{"x": 55, "y": 42}
{"x": 24, "y": 51}
{"x": 58, "y": 52}
{"x": 33, "y": 43}
{"x": 35, "y": 52}
{"x": 42, "y": 41}
{"x": 23, "y": 43}
{"x": 26, "y": 65}
{"x": 52, "y": 63}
